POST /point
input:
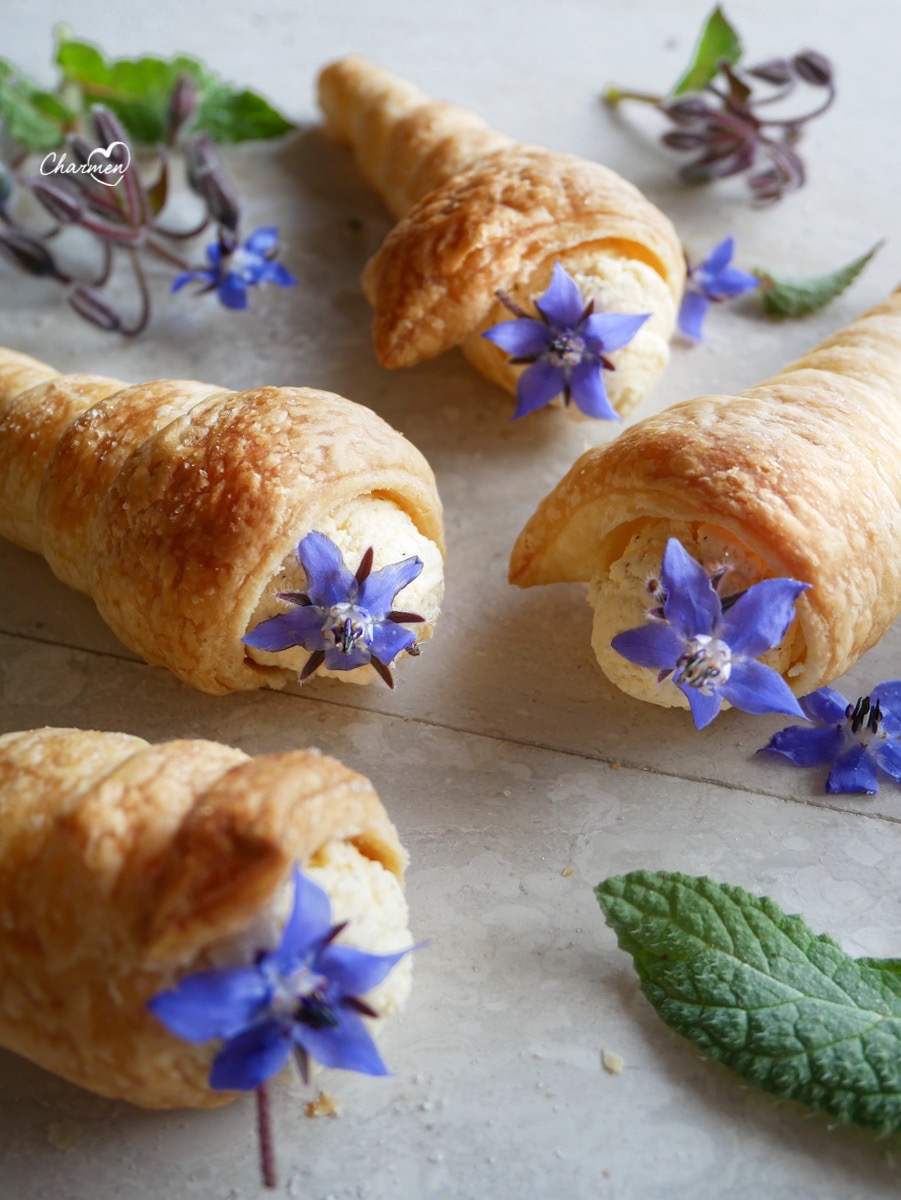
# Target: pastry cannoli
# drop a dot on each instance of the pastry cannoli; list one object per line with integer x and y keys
{"x": 479, "y": 213}
{"x": 799, "y": 478}
{"x": 179, "y": 507}
{"x": 126, "y": 867}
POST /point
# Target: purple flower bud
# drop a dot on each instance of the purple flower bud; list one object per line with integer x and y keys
{"x": 89, "y": 304}
{"x": 207, "y": 177}
{"x": 79, "y": 148}
{"x": 182, "y": 105}
{"x": 109, "y": 132}
{"x": 28, "y": 253}
{"x": 775, "y": 70}
{"x": 813, "y": 67}
{"x": 6, "y": 184}
{"x": 683, "y": 141}
{"x": 686, "y": 110}
{"x": 62, "y": 204}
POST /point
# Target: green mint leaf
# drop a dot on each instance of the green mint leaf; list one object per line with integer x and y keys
{"x": 138, "y": 91}
{"x": 718, "y": 42}
{"x": 35, "y": 119}
{"x": 231, "y": 116}
{"x": 757, "y": 990}
{"x": 785, "y": 296}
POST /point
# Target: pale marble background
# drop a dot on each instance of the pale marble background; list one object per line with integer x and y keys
{"x": 494, "y": 758}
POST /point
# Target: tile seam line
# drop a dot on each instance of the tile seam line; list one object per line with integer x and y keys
{"x": 580, "y": 756}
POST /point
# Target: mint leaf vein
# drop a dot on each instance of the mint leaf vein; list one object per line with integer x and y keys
{"x": 757, "y": 990}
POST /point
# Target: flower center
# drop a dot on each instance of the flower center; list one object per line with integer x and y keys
{"x": 346, "y": 625}
{"x": 302, "y": 997}
{"x": 865, "y": 719}
{"x": 705, "y": 663}
{"x": 567, "y": 349}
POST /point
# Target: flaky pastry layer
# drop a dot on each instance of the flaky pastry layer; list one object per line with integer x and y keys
{"x": 800, "y": 477}
{"x": 174, "y": 504}
{"x": 124, "y": 866}
{"x": 478, "y": 213}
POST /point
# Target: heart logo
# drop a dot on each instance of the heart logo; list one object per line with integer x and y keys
{"x": 115, "y": 168}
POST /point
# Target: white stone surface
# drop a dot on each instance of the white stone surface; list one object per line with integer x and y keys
{"x": 497, "y": 753}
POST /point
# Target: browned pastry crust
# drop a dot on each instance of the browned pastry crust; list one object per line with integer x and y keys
{"x": 174, "y": 503}
{"x": 479, "y": 213}
{"x": 800, "y": 475}
{"x": 122, "y": 865}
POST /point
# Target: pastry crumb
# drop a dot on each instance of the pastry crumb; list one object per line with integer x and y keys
{"x": 64, "y": 1135}
{"x": 611, "y": 1062}
{"x": 323, "y": 1106}
{"x": 567, "y": 872}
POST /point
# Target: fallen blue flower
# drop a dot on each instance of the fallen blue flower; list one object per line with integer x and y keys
{"x": 235, "y": 268}
{"x": 566, "y": 348}
{"x": 858, "y": 740}
{"x": 710, "y": 649}
{"x": 303, "y": 996}
{"x": 713, "y": 279}
{"x": 344, "y": 620}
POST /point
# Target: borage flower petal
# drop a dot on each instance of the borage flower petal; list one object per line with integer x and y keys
{"x": 710, "y": 655}
{"x": 691, "y": 605}
{"x": 859, "y": 740}
{"x": 854, "y": 770}
{"x": 567, "y": 348}
{"x": 562, "y": 304}
{"x": 654, "y": 645}
{"x": 760, "y": 618}
{"x": 344, "y": 620}
{"x": 756, "y": 688}
{"x": 347, "y": 1044}
{"x": 253, "y": 1056}
{"x": 305, "y": 991}
{"x": 234, "y": 268}
{"x": 211, "y": 1003}
{"x": 712, "y": 279}
{"x": 329, "y": 580}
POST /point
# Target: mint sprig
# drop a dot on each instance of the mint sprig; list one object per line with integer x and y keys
{"x": 138, "y": 90}
{"x": 718, "y": 43}
{"x": 791, "y": 296}
{"x": 757, "y": 990}
{"x": 34, "y": 118}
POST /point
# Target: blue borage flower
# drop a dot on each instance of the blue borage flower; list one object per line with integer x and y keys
{"x": 235, "y": 268}
{"x": 303, "y": 997}
{"x": 344, "y": 620}
{"x": 713, "y": 279}
{"x": 709, "y": 646}
{"x": 567, "y": 348}
{"x": 858, "y": 740}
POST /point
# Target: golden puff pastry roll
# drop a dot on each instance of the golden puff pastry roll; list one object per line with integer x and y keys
{"x": 481, "y": 214}
{"x": 798, "y": 478}
{"x": 131, "y": 874}
{"x": 179, "y": 508}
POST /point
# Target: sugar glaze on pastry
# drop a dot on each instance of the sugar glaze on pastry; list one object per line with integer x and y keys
{"x": 125, "y": 867}
{"x": 479, "y": 212}
{"x": 797, "y": 478}
{"x": 178, "y": 506}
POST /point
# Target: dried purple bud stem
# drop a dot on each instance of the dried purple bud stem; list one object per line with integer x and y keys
{"x": 62, "y": 204}
{"x": 182, "y": 106}
{"x": 90, "y": 305}
{"x": 813, "y": 67}
{"x": 29, "y": 254}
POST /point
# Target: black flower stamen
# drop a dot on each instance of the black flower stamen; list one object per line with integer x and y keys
{"x": 864, "y": 715}
{"x": 316, "y": 1011}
